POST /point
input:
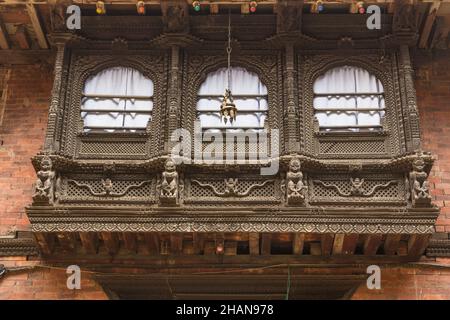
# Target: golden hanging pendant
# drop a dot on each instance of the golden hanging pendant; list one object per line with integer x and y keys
{"x": 228, "y": 110}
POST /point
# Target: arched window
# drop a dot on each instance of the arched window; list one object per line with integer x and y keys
{"x": 250, "y": 97}
{"x": 348, "y": 99}
{"x": 117, "y": 99}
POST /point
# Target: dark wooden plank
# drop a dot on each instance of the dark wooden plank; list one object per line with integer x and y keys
{"x": 350, "y": 242}
{"x": 210, "y": 248}
{"x": 326, "y": 243}
{"x": 372, "y": 243}
{"x": 298, "y": 243}
{"x": 230, "y": 248}
{"x": 315, "y": 249}
{"x": 176, "y": 243}
{"x": 23, "y": 38}
{"x": 188, "y": 247}
{"x": 67, "y": 241}
{"x": 45, "y": 241}
{"x": 130, "y": 241}
{"x": 338, "y": 243}
{"x": 111, "y": 241}
{"x": 153, "y": 246}
{"x": 391, "y": 244}
{"x": 4, "y": 39}
{"x": 254, "y": 243}
{"x": 89, "y": 241}
{"x": 266, "y": 243}
{"x": 417, "y": 244}
{"x": 199, "y": 242}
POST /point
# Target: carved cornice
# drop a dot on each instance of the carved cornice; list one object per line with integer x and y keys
{"x": 438, "y": 248}
{"x": 18, "y": 247}
{"x": 49, "y": 219}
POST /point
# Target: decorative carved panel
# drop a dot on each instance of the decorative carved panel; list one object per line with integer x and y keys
{"x": 79, "y": 188}
{"x": 232, "y": 189}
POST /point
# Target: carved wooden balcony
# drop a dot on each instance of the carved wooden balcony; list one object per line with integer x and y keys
{"x": 316, "y": 207}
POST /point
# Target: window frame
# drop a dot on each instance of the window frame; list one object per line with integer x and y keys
{"x": 122, "y": 113}
{"x": 223, "y": 129}
{"x": 355, "y": 110}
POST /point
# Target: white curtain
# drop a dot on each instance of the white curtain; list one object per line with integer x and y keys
{"x": 348, "y": 87}
{"x": 129, "y": 90}
{"x": 243, "y": 83}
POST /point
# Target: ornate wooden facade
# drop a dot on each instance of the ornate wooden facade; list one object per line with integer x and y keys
{"x": 352, "y": 196}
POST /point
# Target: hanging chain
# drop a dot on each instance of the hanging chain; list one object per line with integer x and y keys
{"x": 229, "y": 49}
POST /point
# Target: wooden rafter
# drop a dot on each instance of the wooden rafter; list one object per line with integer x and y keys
{"x": 429, "y": 22}
{"x": 37, "y": 26}
{"x": 391, "y": 244}
{"x": 4, "y": 41}
{"x": 89, "y": 240}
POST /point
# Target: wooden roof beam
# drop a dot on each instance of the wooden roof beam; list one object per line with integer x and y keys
{"x": 4, "y": 41}
{"x": 23, "y": 38}
{"x": 37, "y": 26}
{"x": 429, "y": 22}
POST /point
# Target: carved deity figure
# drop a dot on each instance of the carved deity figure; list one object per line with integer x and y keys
{"x": 169, "y": 183}
{"x": 175, "y": 18}
{"x": 230, "y": 187}
{"x": 356, "y": 188}
{"x": 45, "y": 183}
{"x": 405, "y": 17}
{"x": 107, "y": 186}
{"x": 296, "y": 189}
{"x": 419, "y": 185}
{"x": 289, "y": 15}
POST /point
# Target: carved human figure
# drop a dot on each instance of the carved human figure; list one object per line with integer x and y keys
{"x": 296, "y": 189}
{"x": 45, "y": 183}
{"x": 169, "y": 184}
{"x": 175, "y": 18}
{"x": 405, "y": 17}
{"x": 289, "y": 15}
{"x": 419, "y": 185}
{"x": 230, "y": 187}
{"x": 107, "y": 186}
{"x": 356, "y": 188}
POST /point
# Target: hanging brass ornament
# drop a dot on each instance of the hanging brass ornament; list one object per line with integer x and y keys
{"x": 228, "y": 110}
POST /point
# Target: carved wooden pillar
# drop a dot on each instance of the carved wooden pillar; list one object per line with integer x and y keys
{"x": 59, "y": 42}
{"x": 174, "y": 93}
{"x": 290, "y": 84}
{"x": 410, "y": 111}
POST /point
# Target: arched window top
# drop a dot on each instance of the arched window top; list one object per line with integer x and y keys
{"x": 250, "y": 97}
{"x": 119, "y": 81}
{"x": 243, "y": 82}
{"x": 117, "y": 99}
{"x": 347, "y": 79}
{"x": 349, "y": 98}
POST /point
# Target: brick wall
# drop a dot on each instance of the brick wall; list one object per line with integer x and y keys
{"x": 43, "y": 283}
{"x": 410, "y": 283}
{"x": 21, "y": 137}
{"x": 433, "y": 98}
